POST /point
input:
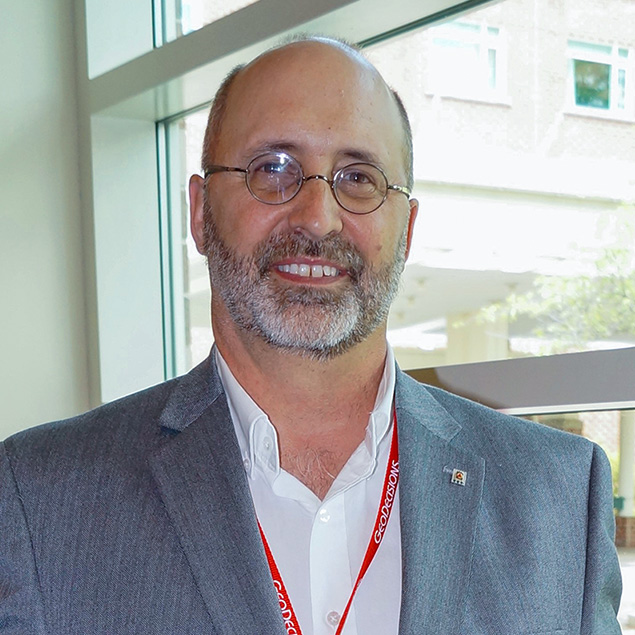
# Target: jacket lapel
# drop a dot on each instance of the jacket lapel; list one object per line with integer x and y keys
{"x": 438, "y": 517}
{"x": 203, "y": 485}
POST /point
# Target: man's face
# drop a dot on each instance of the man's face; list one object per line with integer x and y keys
{"x": 327, "y": 111}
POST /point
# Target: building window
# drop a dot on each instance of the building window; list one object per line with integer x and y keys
{"x": 601, "y": 78}
{"x": 468, "y": 61}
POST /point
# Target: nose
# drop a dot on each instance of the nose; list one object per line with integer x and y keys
{"x": 315, "y": 211}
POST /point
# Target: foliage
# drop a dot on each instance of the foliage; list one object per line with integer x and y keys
{"x": 570, "y": 311}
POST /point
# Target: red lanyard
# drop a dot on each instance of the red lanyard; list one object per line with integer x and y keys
{"x": 383, "y": 515}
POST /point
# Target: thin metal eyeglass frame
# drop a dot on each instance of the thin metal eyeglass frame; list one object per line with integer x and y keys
{"x": 216, "y": 169}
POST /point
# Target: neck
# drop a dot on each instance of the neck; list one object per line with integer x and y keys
{"x": 320, "y": 409}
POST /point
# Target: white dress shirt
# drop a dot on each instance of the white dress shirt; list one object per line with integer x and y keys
{"x": 319, "y": 545}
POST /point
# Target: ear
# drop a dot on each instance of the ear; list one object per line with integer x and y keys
{"x": 197, "y": 212}
{"x": 414, "y": 209}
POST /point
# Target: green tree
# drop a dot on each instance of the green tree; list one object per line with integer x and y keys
{"x": 570, "y": 311}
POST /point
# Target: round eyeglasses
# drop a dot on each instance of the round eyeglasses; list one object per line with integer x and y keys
{"x": 275, "y": 178}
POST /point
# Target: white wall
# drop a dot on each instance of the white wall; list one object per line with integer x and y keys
{"x": 43, "y": 367}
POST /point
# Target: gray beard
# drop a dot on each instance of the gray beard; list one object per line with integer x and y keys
{"x": 316, "y": 322}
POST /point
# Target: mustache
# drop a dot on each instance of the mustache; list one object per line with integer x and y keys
{"x": 332, "y": 248}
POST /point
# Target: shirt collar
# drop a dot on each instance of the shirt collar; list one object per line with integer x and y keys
{"x": 248, "y": 418}
{"x": 257, "y": 437}
{"x": 380, "y": 418}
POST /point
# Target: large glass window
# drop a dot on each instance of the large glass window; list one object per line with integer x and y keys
{"x": 525, "y": 243}
{"x": 187, "y": 315}
{"x": 180, "y": 17}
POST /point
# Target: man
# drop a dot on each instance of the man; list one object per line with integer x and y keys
{"x": 253, "y": 494}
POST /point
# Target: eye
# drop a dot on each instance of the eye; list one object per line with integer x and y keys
{"x": 272, "y": 176}
{"x": 270, "y": 164}
{"x": 361, "y": 179}
{"x": 357, "y": 177}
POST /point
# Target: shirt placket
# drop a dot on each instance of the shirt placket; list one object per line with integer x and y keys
{"x": 330, "y": 575}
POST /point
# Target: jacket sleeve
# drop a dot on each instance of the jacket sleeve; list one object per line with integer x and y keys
{"x": 602, "y": 580}
{"x": 21, "y": 607}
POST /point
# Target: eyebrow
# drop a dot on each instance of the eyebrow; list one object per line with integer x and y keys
{"x": 363, "y": 156}
{"x": 273, "y": 146}
{"x": 292, "y": 148}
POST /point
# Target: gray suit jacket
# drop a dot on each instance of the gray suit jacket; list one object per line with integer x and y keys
{"x": 137, "y": 518}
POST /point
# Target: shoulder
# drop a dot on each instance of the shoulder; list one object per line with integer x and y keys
{"x": 117, "y": 432}
{"x": 529, "y": 470}
{"x": 103, "y": 421}
{"x": 494, "y": 435}
{"x": 105, "y": 434}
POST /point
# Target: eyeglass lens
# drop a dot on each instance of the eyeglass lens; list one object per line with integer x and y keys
{"x": 274, "y": 178}
{"x": 277, "y": 177}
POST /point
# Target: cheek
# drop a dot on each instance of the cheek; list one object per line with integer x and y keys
{"x": 242, "y": 223}
{"x": 379, "y": 248}
{"x": 383, "y": 240}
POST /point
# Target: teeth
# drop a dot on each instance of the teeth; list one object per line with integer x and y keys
{"x": 306, "y": 271}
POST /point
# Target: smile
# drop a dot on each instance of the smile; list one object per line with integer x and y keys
{"x": 309, "y": 271}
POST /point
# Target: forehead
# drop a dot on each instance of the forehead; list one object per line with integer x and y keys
{"x": 315, "y": 96}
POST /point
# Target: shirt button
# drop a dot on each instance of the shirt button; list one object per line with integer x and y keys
{"x": 324, "y": 517}
{"x": 267, "y": 443}
{"x": 246, "y": 463}
{"x": 333, "y": 618}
